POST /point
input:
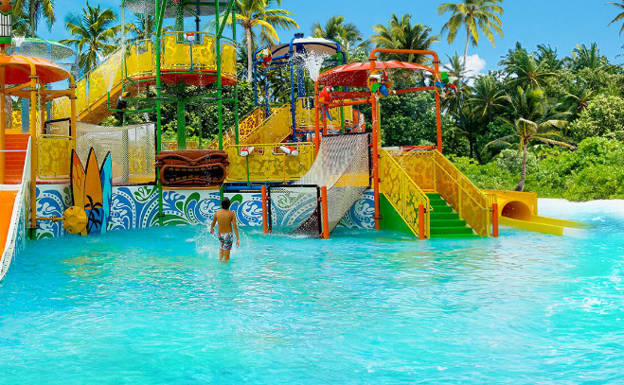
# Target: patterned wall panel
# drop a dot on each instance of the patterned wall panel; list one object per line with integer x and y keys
{"x": 136, "y": 207}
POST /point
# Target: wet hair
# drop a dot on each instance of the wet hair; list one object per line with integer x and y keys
{"x": 225, "y": 203}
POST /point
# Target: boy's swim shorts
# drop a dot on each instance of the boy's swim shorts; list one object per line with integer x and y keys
{"x": 226, "y": 241}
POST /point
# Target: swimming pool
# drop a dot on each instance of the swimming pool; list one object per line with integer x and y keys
{"x": 154, "y": 306}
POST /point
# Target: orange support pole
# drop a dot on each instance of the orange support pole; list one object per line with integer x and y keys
{"x": 495, "y": 220}
{"x": 421, "y": 222}
{"x": 265, "y": 210}
{"x": 438, "y": 111}
{"x": 325, "y": 214}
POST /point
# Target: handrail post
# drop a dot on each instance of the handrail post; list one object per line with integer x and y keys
{"x": 421, "y": 222}
{"x": 495, "y": 233}
{"x": 265, "y": 210}
{"x": 325, "y": 213}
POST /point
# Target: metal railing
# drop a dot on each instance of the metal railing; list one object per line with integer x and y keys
{"x": 470, "y": 202}
{"x": 404, "y": 194}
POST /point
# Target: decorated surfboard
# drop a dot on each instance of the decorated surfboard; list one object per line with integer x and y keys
{"x": 106, "y": 177}
{"x": 77, "y": 177}
{"x": 93, "y": 194}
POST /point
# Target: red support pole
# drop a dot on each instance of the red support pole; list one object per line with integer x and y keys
{"x": 265, "y": 210}
{"x": 421, "y": 222}
{"x": 325, "y": 216}
{"x": 438, "y": 110}
{"x": 495, "y": 220}
{"x": 317, "y": 125}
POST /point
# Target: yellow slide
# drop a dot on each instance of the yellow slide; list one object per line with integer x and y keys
{"x": 519, "y": 209}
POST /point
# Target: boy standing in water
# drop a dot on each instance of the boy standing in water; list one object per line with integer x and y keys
{"x": 227, "y": 222}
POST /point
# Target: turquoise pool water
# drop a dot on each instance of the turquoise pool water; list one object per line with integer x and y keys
{"x": 155, "y": 307}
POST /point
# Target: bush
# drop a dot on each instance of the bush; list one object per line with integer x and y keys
{"x": 593, "y": 172}
{"x": 604, "y": 117}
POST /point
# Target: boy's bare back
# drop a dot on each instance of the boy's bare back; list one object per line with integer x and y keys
{"x": 225, "y": 219}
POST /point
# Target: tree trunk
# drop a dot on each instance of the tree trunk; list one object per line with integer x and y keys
{"x": 249, "y": 56}
{"x": 524, "y": 165}
{"x": 33, "y": 22}
{"x": 466, "y": 50}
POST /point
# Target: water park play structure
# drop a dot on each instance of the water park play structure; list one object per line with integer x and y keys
{"x": 298, "y": 167}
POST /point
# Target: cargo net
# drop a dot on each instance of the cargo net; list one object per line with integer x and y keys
{"x": 132, "y": 148}
{"x": 343, "y": 166}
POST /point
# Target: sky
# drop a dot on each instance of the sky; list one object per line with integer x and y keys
{"x": 560, "y": 23}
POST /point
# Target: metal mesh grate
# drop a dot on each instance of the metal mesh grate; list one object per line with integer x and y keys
{"x": 132, "y": 148}
{"x": 343, "y": 166}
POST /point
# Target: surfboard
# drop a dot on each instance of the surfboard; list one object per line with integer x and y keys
{"x": 93, "y": 194}
{"x": 77, "y": 177}
{"x": 106, "y": 176}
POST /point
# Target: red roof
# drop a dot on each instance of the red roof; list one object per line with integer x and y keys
{"x": 18, "y": 70}
{"x": 356, "y": 74}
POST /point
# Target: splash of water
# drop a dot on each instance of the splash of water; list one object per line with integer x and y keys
{"x": 312, "y": 62}
{"x": 110, "y": 67}
{"x": 18, "y": 41}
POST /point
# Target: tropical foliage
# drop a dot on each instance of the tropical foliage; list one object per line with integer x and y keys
{"x": 94, "y": 31}
{"x": 473, "y": 16}
{"x": 260, "y": 23}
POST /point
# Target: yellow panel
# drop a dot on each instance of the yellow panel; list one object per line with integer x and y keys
{"x": 54, "y": 156}
{"x": 228, "y": 59}
{"x": 269, "y": 164}
{"x": 403, "y": 193}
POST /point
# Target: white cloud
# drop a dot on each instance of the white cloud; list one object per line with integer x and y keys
{"x": 474, "y": 66}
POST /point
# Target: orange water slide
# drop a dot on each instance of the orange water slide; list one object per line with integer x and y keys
{"x": 15, "y": 159}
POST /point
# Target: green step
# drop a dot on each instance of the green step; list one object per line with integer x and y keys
{"x": 448, "y": 223}
{"x": 445, "y": 223}
{"x": 451, "y": 231}
{"x": 440, "y": 215}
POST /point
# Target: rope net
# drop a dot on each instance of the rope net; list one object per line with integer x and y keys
{"x": 132, "y": 148}
{"x": 343, "y": 166}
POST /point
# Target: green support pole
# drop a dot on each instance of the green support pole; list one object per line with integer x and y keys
{"x": 235, "y": 38}
{"x": 201, "y": 131}
{"x": 159, "y": 15}
{"x": 181, "y": 124}
{"x": 219, "y": 84}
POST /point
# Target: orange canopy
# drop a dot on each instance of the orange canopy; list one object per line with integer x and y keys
{"x": 356, "y": 74}
{"x": 18, "y": 70}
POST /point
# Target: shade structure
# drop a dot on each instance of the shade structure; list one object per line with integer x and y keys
{"x": 18, "y": 70}
{"x": 356, "y": 74}
{"x": 310, "y": 45}
{"x": 32, "y": 47}
{"x": 192, "y": 8}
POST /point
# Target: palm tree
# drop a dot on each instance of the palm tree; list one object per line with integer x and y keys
{"x": 548, "y": 55}
{"x": 588, "y": 57}
{"x": 255, "y": 15}
{"x": 337, "y": 30}
{"x": 94, "y": 33}
{"x": 487, "y": 97}
{"x": 525, "y": 69}
{"x": 347, "y": 34}
{"x": 474, "y": 15}
{"x": 620, "y": 16}
{"x": 144, "y": 27}
{"x": 535, "y": 121}
{"x": 402, "y": 34}
{"x": 31, "y": 11}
